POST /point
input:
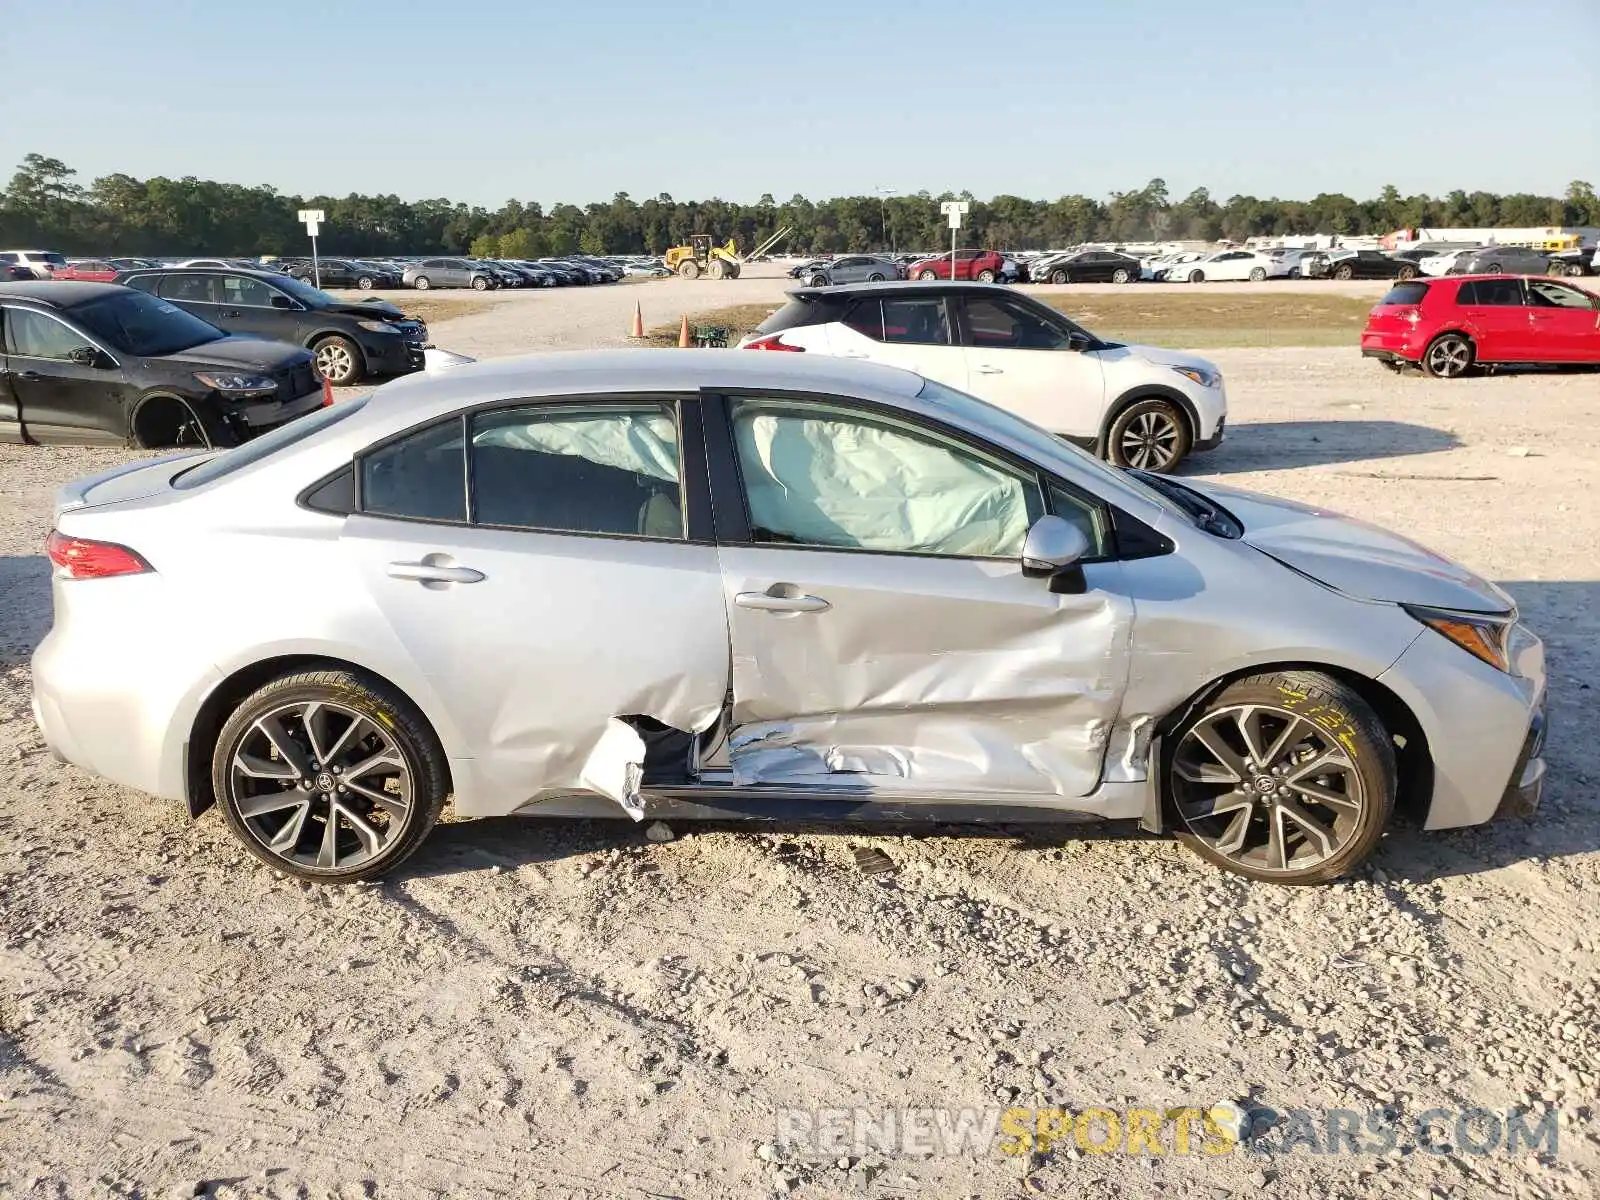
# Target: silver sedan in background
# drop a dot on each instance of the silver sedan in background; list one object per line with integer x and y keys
{"x": 687, "y": 585}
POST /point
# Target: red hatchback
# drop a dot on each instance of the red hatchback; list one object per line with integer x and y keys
{"x": 1448, "y": 325}
{"x": 983, "y": 266}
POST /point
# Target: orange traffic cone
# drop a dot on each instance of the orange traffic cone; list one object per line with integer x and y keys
{"x": 638, "y": 322}
{"x": 683, "y": 333}
{"x": 327, "y": 393}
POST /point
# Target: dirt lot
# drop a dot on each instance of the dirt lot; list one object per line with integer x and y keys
{"x": 533, "y": 1008}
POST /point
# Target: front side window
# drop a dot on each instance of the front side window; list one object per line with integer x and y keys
{"x": 33, "y": 335}
{"x": 919, "y": 321}
{"x": 825, "y": 476}
{"x": 601, "y": 468}
{"x": 997, "y": 324}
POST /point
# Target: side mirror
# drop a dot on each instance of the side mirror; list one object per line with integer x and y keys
{"x": 1054, "y": 549}
{"x": 88, "y": 356}
{"x": 282, "y": 302}
{"x": 1078, "y": 340}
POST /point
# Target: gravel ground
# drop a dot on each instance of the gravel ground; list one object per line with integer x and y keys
{"x": 571, "y": 1009}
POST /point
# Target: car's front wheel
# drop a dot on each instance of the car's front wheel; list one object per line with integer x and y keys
{"x": 329, "y": 776}
{"x": 1197, "y": 276}
{"x": 986, "y": 276}
{"x": 1344, "y": 271}
{"x": 422, "y": 283}
{"x": 1149, "y": 435}
{"x": 1448, "y": 357}
{"x": 480, "y": 283}
{"x": 819, "y": 281}
{"x": 927, "y": 276}
{"x": 1284, "y": 778}
{"x": 1257, "y": 274}
{"x": 1121, "y": 275}
{"x": 338, "y": 361}
{"x": 365, "y": 283}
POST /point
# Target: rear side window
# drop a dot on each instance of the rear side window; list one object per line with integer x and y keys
{"x": 798, "y": 313}
{"x": 1405, "y": 293}
{"x": 603, "y": 468}
{"x": 918, "y": 321}
{"x": 1496, "y": 292}
{"x": 422, "y": 476}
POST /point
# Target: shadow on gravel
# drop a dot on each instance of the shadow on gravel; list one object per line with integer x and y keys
{"x": 1278, "y": 445}
{"x": 24, "y": 606}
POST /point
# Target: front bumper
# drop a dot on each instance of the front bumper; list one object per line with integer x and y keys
{"x": 1526, "y": 787}
{"x": 1212, "y": 442}
{"x": 389, "y": 354}
{"x": 258, "y": 418}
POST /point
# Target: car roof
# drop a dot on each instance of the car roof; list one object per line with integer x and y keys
{"x": 259, "y": 273}
{"x": 903, "y": 288}
{"x": 58, "y": 293}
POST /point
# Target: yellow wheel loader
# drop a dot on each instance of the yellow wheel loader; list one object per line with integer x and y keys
{"x": 700, "y": 257}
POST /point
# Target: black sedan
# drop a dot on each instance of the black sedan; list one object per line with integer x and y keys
{"x": 1089, "y": 266}
{"x": 344, "y": 273}
{"x": 1365, "y": 264}
{"x": 351, "y": 340}
{"x": 98, "y": 364}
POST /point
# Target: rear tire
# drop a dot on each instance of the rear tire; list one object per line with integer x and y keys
{"x": 874, "y": 278}
{"x": 927, "y": 276}
{"x": 1257, "y": 274}
{"x": 422, "y": 283}
{"x": 1557, "y": 268}
{"x": 1448, "y": 356}
{"x": 1404, "y": 274}
{"x": 1246, "y": 795}
{"x": 1121, "y": 275}
{"x": 365, "y": 283}
{"x": 1197, "y": 276}
{"x": 986, "y": 276}
{"x": 819, "y": 281}
{"x": 1494, "y": 269}
{"x": 369, "y": 732}
{"x": 1150, "y": 435}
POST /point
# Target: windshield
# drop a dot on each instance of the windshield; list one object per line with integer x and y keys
{"x": 137, "y": 323}
{"x": 269, "y": 443}
{"x": 302, "y": 291}
{"x": 982, "y": 412}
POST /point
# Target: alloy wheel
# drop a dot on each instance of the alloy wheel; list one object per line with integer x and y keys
{"x": 1150, "y": 441}
{"x": 1267, "y": 788}
{"x": 320, "y": 785}
{"x": 334, "y": 362}
{"x": 1448, "y": 358}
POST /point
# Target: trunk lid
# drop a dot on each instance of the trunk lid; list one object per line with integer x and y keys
{"x": 131, "y": 481}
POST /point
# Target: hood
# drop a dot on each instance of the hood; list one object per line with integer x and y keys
{"x": 1170, "y": 358}
{"x": 256, "y": 353}
{"x": 1353, "y": 557}
{"x": 366, "y": 308}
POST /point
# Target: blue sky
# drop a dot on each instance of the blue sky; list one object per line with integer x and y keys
{"x": 486, "y": 100}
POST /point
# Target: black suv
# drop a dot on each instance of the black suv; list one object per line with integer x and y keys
{"x": 350, "y": 340}
{"x": 93, "y": 363}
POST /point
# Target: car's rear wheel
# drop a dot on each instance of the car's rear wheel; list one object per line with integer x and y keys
{"x": 1494, "y": 269}
{"x": 927, "y": 276}
{"x": 329, "y": 776}
{"x": 1448, "y": 356}
{"x": 338, "y": 360}
{"x": 1285, "y": 778}
{"x": 875, "y": 278}
{"x": 986, "y": 276}
{"x": 1122, "y": 275}
{"x": 365, "y": 283}
{"x": 1197, "y": 276}
{"x": 819, "y": 280}
{"x": 1557, "y": 268}
{"x": 422, "y": 283}
{"x": 1257, "y": 274}
{"x": 1150, "y": 435}
{"x": 1344, "y": 271}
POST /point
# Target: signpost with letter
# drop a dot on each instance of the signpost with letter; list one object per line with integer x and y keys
{"x": 313, "y": 218}
{"x": 955, "y": 210}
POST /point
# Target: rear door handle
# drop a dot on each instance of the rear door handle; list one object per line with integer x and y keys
{"x": 29, "y": 375}
{"x": 229, "y": 312}
{"x": 425, "y": 572}
{"x": 986, "y": 369}
{"x": 767, "y": 602}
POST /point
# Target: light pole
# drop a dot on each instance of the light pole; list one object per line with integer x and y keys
{"x": 883, "y": 209}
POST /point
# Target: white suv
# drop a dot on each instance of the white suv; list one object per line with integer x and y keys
{"x": 1134, "y": 405}
{"x": 43, "y": 263}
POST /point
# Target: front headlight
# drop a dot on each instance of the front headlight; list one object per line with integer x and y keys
{"x": 237, "y": 384}
{"x": 377, "y": 327}
{"x": 1485, "y": 636}
{"x": 1206, "y": 379}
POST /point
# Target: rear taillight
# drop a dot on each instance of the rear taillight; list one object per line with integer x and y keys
{"x": 80, "y": 558}
{"x": 774, "y": 342}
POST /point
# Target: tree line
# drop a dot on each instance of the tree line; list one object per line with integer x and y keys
{"x": 46, "y": 206}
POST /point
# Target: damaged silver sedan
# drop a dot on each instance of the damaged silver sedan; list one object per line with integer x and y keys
{"x": 708, "y": 585}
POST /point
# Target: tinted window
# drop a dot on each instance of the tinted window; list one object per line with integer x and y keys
{"x": 246, "y": 292}
{"x": 140, "y": 324}
{"x": 34, "y": 335}
{"x": 423, "y": 476}
{"x": 818, "y": 475}
{"x": 337, "y": 495}
{"x": 190, "y": 289}
{"x": 1004, "y": 324}
{"x": 267, "y": 444}
{"x": 1543, "y": 294}
{"x": 605, "y": 468}
{"x": 1500, "y": 292}
{"x": 917, "y": 321}
{"x": 797, "y": 313}
{"x": 1405, "y": 293}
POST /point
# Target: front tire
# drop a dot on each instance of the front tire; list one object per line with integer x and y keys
{"x": 1197, "y": 276}
{"x": 329, "y": 776}
{"x": 874, "y": 278}
{"x": 1344, "y": 271}
{"x": 365, "y": 283}
{"x": 1059, "y": 277}
{"x": 1448, "y": 356}
{"x": 1285, "y": 778}
{"x": 689, "y": 269}
{"x": 1150, "y": 435}
{"x": 480, "y": 283}
{"x": 819, "y": 281}
{"x": 338, "y": 360}
{"x": 1406, "y": 274}
{"x": 986, "y": 276}
{"x": 1121, "y": 275}
{"x": 928, "y": 276}
{"x": 422, "y": 283}
{"x": 1258, "y": 274}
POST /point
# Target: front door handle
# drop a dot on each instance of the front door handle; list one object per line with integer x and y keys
{"x": 426, "y": 572}
{"x": 29, "y": 375}
{"x": 229, "y": 312}
{"x": 986, "y": 369}
{"x": 774, "y": 600}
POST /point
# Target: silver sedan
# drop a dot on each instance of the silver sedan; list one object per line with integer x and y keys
{"x": 717, "y": 585}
